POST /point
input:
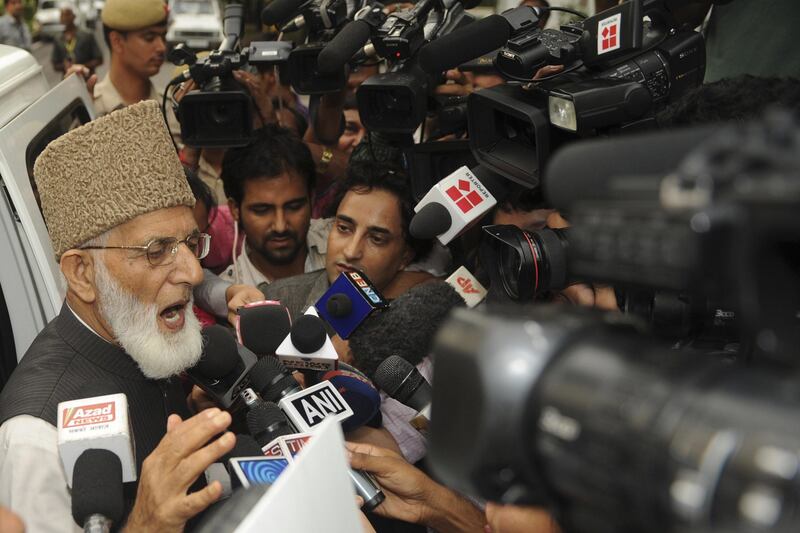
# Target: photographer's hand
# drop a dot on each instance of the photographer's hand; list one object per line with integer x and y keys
{"x": 412, "y": 496}
{"x": 260, "y": 88}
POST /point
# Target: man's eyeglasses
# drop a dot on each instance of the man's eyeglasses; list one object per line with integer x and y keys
{"x": 163, "y": 251}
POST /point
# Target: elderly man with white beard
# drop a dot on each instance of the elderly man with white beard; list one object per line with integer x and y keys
{"x": 119, "y": 213}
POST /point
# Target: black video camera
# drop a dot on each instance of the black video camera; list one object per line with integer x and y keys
{"x": 618, "y": 72}
{"x": 578, "y": 411}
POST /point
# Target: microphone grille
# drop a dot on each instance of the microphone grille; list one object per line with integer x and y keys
{"x": 308, "y": 334}
{"x": 339, "y": 305}
{"x": 97, "y": 486}
{"x": 397, "y": 377}
{"x": 264, "y": 415}
{"x": 280, "y": 388}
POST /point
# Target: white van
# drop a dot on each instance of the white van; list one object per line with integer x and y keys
{"x": 31, "y": 287}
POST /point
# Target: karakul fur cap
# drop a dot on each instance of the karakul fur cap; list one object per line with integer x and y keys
{"x": 108, "y": 172}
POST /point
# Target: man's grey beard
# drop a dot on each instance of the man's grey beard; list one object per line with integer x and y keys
{"x": 135, "y": 325}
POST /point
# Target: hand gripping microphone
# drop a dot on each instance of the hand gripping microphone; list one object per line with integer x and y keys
{"x": 308, "y": 347}
{"x": 306, "y": 409}
{"x": 262, "y": 326}
{"x": 97, "y": 498}
{"x": 223, "y": 369}
{"x": 402, "y": 381}
{"x": 348, "y": 302}
{"x": 451, "y": 207}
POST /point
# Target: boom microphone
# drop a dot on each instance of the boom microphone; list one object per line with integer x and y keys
{"x": 97, "y": 498}
{"x": 352, "y": 38}
{"x": 279, "y": 11}
{"x": 466, "y": 43}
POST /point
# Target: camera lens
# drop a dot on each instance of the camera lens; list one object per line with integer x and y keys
{"x": 510, "y": 270}
{"x": 220, "y": 114}
{"x": 527, "y": 263}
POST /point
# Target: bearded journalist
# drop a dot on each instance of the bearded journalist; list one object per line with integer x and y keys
{"x": 119, "y": 213}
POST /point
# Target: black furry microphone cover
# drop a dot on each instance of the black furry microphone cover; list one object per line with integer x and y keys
{"x": 406, "y": 328}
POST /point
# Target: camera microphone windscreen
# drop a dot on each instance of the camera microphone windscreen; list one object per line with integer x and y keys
{"x": 468, "y": 42}
{"x": 97, "y": 487}
{"x": 279, "y": 11}
{"x": 407, "y": 327}
{"x": 464, "y": 198}
{"x": 352, "y": 38}
{"x": 262, "y": 326}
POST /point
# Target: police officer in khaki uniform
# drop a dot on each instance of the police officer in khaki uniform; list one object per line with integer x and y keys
{"x": 135, "y": 32}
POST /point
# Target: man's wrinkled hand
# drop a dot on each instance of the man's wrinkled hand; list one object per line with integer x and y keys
{"x": 162, "y": 503}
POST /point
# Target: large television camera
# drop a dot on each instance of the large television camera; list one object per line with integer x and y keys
{"x": 620, "y": 67}
{"x": 581, "y": 412}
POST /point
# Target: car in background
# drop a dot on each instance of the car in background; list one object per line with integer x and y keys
{"x": 47, "y": 19}
{"x": 196, "y": 23}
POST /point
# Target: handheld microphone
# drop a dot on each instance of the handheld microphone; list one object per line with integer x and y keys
{"x": 97, "y": 422}
{"x": 308, "y": 347}
{"x": 97, "y": 497}
{"x": 402, "y": 381}
{"x": 308, "y": 408}
{"x": 278, "y": 11}
{"x": 451, "y": 206}
{"x": 350, "y": 299}
{"x": 266, "y": 423}
{"x": 467, "y": 286}
{"x": 262, "y": 326}
{"x": 223, "y": 369}
{"x": 359, "y": 393}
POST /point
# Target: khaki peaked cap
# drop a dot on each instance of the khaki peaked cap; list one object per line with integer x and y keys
{"x": 132, "y": 15}
{"x": 108, "y": 172}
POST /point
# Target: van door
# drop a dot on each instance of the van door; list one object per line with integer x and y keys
{"x": 32, "y": 286}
